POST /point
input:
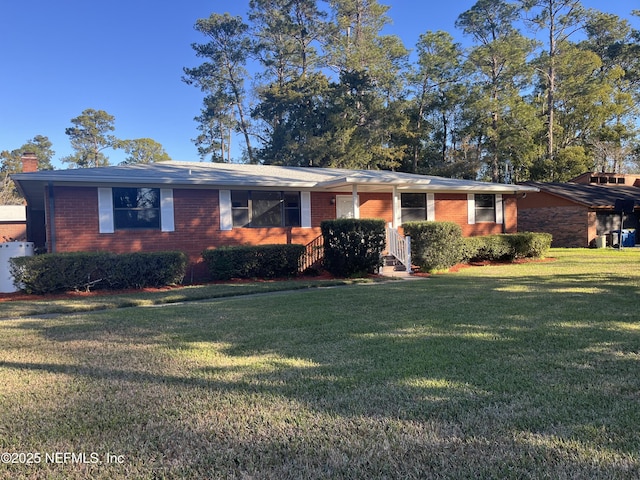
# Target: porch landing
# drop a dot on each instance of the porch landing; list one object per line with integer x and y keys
{"x": 393, "y": 268}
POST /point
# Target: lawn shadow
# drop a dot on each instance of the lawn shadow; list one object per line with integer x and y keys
{"x": 519, "y": 366}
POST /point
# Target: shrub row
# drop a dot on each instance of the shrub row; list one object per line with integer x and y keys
{"x": 253, "y": 261}
{"x": 353, "y": 247}
{"x": 440, "y": 245}
{"x": 59, "y": 272}
{"x": 506, "y": 247}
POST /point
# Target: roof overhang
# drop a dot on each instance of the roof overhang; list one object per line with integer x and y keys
{"x": 224, "y": 176}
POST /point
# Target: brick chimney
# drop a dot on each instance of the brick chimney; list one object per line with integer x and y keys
{"x": 29, "y": 162}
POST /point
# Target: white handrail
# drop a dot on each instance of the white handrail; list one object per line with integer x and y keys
{"x": 399, "y": 246}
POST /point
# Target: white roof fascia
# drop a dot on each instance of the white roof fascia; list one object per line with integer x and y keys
{"x": 262, "y": 176}
{"x": 477, "y": 188}
{"x": 13, "y": 213}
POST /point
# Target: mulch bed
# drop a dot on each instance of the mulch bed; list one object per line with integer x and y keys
{"x": 21, "y": 296}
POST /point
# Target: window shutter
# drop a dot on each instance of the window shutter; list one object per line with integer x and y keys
{"x": 471, "y": 209}
{"x": 105, "y": 211}
{"x": 431, "y": 207}
{"x": 226, "y": 217}
{"x": 305, "y": 209}
{"x": 499, "y": 209}
{"x": 166, "y": 210}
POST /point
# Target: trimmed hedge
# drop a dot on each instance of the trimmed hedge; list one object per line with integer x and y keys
{"x": 435, "y": 245}
{"x": 440, "y": 245}
{"x": 353, "y": 247}
{"x": 506, "y": 247}
{"x": 253, "y": 261}
{"x": 59, "y": 272}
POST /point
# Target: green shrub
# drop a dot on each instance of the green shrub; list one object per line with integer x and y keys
{"x": 495, "y": 247}
{"x": 506, "y": 247}
{"x": 59, "y": 272}
{"x": 140, "y": 270}
{"x": 253, "y": 261}
{"x": 531, "y": 245}
{"x": 471, "y": 248}
{"x": 435, "y": 245}
{"x": 353, "y": 247}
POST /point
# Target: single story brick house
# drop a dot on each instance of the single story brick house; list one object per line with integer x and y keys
{"x": 192, "y": 206}
{"x": 578, "y": 213}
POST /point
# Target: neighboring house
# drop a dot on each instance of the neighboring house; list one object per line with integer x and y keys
{"x": 577, "y": 213}
{"x": 194, "y": 206}
{"x": 608, "y": 179}
{"x": 13, "y": 223}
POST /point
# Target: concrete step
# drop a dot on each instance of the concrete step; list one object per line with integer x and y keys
{"x": 395, "y": 271}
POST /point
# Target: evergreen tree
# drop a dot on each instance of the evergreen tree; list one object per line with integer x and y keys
{"x": 498, "y": 64}
{"x": 142, "y": 150}
{"x": 89, "y": 136}
{"x": 223, "y": 74}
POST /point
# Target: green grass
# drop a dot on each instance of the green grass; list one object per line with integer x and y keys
{"x": 520, "y": 371}
{"x": 45, "y": 305}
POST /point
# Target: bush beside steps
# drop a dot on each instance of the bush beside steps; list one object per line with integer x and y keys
{"x": 438, "y": 246}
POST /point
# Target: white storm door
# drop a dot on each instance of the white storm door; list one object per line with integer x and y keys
{"x": 344, "y": 206}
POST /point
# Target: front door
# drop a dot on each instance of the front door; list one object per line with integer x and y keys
{"x": 344, "y": 206}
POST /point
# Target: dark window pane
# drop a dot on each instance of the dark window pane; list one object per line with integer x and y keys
{"x": 291, "y": 199}
{"x": 485, "y": 216}
{"x": 485, "y": 200}
{"x": 239, "y": 198}
{"x": 413, "y": 200}
{"x": 485, "y": 208}
{"x": 240, "y": 208}
{"x": 240, "y": 217}
{"x": 413, "y": 215}
{"x": 413, "y": 207}
{"x": 265, "y": 209}
{"x": 136, "y": 208}
{"x": 291, "y": 217}
{"x": 137, "y": 219}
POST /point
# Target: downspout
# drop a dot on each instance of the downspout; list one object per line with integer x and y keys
{"x": 504, "y": 216}
{"x": 51, "y": 218}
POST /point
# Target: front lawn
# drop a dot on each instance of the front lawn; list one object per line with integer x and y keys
{"x": 519, "y": 371}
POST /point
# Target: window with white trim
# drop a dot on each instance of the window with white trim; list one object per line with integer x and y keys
{"x": 413, "y": 207}
{"x": 136, "y": 208}
{"x": 485, "y": 207}
{"x": 262, "y": 208}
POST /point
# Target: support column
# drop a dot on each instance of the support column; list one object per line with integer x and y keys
{"x": 355, "y": 202}
{"x": 396, "y": 211}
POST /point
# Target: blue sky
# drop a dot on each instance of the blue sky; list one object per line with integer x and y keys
{"x": 61, "y": 57}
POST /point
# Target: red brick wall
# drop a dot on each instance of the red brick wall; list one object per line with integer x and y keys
{"x": 543, "y": 199}
{"x": 196, "y": 216}
{"x": 376, "y": 205}
{"x": 322, "y": 207}
{"x": 452, "y": 207}
{"x": 571, "y": 226}
{"x": 197, "y": 227}
{"x": 13, "y": 231}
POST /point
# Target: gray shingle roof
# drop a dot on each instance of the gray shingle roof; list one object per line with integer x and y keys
{"x": 594, "y": 196}
{"x": 220, "y": 175}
